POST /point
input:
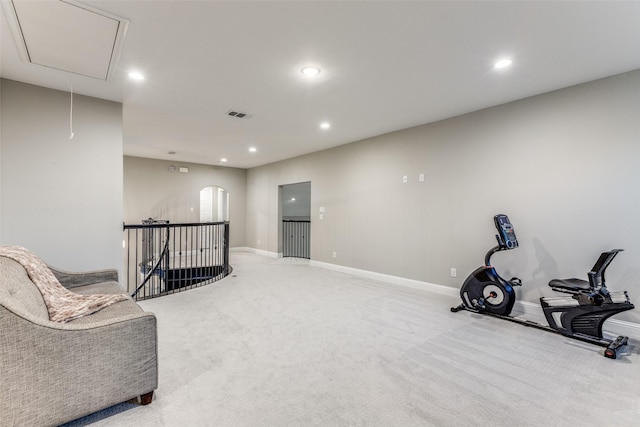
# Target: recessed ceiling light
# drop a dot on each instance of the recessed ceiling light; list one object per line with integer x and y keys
{"x": 223, "y": 160}
{"x": 503, "y": 63}
{"x": 136, "y": 75}
{"x": 310, "y": 71}
{"x": 253, "y": 149}
{"x": 293, "y": 199}
{"x": 325, "y": 125}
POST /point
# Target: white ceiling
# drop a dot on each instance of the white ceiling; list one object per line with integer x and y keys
{"x": 385, "y": 65}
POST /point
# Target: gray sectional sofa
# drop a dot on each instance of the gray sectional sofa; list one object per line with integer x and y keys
{"x": 52, "y": 372}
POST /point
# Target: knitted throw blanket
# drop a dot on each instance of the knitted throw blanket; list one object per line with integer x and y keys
{"x": 62, "y": 304}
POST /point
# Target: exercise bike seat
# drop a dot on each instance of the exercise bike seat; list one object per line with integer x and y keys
{"x": 572, "y": 286}
{"x": 596, "y": 282}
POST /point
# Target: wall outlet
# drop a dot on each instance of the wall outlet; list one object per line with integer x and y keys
{"x": 405, "y": 179}
{"x": 335, "y": 255}
{"x": 453, "y": 272}
{"x": 421, "y": 177}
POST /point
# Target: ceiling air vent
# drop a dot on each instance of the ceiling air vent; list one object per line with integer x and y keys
{"x": 238, "y": 114}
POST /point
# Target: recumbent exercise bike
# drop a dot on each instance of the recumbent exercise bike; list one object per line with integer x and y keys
{"x": 579, "y": 317}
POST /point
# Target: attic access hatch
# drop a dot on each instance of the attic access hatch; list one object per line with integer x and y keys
{"x": 67, "y": 36}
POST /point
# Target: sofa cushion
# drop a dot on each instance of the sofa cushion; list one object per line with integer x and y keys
{"x": 62, "y": 304}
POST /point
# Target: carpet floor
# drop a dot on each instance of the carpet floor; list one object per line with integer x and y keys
{"x": 281, "y": 343}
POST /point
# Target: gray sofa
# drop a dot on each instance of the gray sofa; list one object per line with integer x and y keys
{"x": 51, "y": 372}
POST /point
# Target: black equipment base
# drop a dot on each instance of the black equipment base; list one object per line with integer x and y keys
{"x": 612, "y": 346}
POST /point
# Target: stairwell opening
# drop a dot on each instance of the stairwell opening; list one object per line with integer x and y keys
{"x": 295, "y": 217}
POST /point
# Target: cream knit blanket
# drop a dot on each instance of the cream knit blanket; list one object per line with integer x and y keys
{"x": 62, "y": 304}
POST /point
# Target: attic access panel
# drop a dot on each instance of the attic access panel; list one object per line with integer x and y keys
{"x": 67, "y": 36}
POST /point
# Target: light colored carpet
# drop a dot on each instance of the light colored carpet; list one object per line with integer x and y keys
{"x": 281, "y": 343}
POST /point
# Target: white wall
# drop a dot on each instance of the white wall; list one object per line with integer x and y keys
{"x": 563, "y": 166}
{"x": 61, "y": 198}
{"x": 152, "y": 190}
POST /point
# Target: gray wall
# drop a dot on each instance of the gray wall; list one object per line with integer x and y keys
{"x": 152, "y": 190}
{"x": 0, "y": 161}
{"x": 563, "y": 166}
{"x": 61, "y": 198}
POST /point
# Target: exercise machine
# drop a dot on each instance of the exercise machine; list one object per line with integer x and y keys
{"x": 579, "y": 315}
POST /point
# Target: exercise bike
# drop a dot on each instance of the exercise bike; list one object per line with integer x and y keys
{"x": 579, "y": 316}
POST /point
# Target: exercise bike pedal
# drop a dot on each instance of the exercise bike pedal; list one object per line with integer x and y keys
{"x": 514, "y": 281}
{"x": 479, "y": 304}
{"x": 458, "y": 308}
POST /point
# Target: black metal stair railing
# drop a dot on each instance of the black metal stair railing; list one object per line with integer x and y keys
{"x": 295, "y": 238}
{"x": 161, "y": 258}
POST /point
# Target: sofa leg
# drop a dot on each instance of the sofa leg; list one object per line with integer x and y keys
{"x": 146, "y": 398}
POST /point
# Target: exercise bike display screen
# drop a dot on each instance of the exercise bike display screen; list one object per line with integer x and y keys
{"x": 507, "y": 235}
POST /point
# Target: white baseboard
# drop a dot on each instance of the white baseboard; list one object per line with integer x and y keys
{"x": 256, "y": 251}
{"x": 386, "y": 278}
{"x": 531, "y": 310}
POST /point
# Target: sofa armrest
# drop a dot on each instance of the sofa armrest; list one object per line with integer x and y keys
{"x": 70, "y": 279}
